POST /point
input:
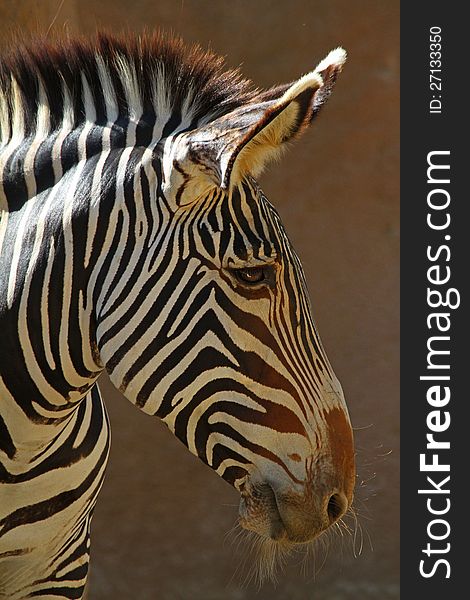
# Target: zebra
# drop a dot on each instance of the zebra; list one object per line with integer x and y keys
{"x": 135, "y": 238}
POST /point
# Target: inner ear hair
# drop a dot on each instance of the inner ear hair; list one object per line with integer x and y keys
{"x": 282, "y": 120}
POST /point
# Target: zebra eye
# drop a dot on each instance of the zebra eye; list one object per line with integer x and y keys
{"x": 250, "y": 275}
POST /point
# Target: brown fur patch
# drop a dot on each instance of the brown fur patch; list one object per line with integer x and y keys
{"x": 295, "y": 457}
{"x": 342, "y": 448}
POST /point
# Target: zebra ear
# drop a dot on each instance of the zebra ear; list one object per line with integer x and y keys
{"x": 243, "y": 141}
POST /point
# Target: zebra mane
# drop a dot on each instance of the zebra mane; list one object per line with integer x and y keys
{"x": 44, "y": 84}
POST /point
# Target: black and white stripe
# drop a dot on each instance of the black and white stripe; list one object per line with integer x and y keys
{"x": 119, "y": 251}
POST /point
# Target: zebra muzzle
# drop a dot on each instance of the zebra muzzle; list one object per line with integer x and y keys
{"x": 290, "y": 516}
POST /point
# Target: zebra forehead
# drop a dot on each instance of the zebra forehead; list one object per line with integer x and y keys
{"x": 139, "y": 68}
{"x": 242, "y": 219}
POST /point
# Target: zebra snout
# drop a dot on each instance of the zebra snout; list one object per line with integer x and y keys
{"x": 291, "y": 516}
{"x": 305, "y": 517}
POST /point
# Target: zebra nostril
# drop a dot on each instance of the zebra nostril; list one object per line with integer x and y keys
{"x": 337, "y": 505}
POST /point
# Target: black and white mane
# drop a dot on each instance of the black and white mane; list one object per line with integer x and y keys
{"x": 148, "y": 75}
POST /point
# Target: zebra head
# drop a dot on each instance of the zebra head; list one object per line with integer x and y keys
{"x": 216, "y": 336}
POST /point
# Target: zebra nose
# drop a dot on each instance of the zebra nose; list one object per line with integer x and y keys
{"x": 336, "y": 507}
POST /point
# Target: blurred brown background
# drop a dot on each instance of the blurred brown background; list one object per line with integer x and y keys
{"x": 160, "y": 526}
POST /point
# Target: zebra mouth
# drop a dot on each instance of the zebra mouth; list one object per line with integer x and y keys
{"x": 259, "y": 512}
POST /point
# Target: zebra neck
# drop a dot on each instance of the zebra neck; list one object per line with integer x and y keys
{"x": 29, "y": 438}
{"x": 45, "y": 309}
{"x": 72, "y": 251}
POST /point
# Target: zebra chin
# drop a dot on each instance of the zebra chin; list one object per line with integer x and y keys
{"x": 292, "y": 517}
